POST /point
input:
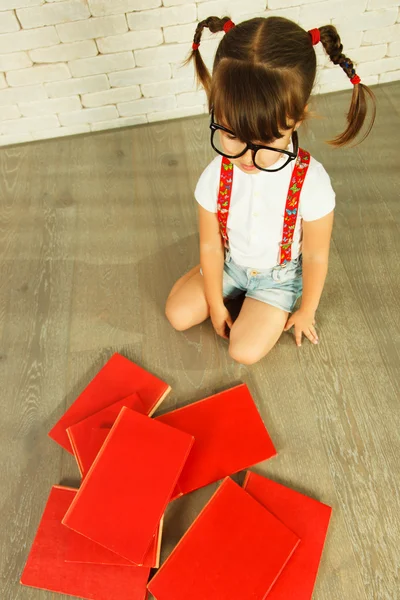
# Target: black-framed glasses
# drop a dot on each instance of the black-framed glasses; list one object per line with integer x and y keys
{"x": 227, "y": 144}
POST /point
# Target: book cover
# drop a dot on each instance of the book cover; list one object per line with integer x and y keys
{"x": 235, "y": 550}
{"x": 125, "y": 493}
{"x": 229, "y": 436}
{"x": 82, "y": 550}
{"x": 118, "y": 379}
{"x": 309, "y": 519}
{"x": 87, "y": 436}
{"x": 47, "y": 569}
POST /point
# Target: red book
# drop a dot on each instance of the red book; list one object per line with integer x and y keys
{"x": 116, "y": 380}
{"x": 229, "y": 436}
{"x": 82, "y": 550}
{"x": 46, "y": 567}
{"x": 235, "y": 550}
{"x": 124, "y": 496}
{"x": 88, "y": 436}
{"x": 309, "y": 519}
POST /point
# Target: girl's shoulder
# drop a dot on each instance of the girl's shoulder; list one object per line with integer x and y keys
{"x": 317, "y": 194}
{"x": 206, "y": 192}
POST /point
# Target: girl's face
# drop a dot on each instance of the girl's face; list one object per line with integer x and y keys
{"x": 265, "y": 158}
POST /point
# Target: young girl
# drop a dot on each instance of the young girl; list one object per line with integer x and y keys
{"x": 265, "y": 206}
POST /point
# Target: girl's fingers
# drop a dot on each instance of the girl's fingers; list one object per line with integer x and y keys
{"x": 308, "y": 333}
{"x": 288, "y": 325}
{"x": 314, "y": 333}
{"x": 298, "y": 334}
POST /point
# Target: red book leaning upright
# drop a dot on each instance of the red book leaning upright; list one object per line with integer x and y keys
{"x": 229, "y": 436}
{"x": 234, "y": 550}
{"x": 306, "y": 517}
{"x": 123, "y": 497}
{"x": 118, "y": 379}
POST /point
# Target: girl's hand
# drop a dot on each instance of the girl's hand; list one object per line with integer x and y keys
{"x": 221, "y": 320}
{"x": 303, "y": 322}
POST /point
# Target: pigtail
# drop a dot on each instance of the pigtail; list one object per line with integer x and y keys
{"x": 333, "y": 46}
{"x": 214, "y": 24}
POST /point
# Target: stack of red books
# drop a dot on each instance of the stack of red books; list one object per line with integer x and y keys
{"x": 102, "y": 541}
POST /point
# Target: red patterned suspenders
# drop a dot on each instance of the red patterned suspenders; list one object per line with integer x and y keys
{"x": 292, "y": 202}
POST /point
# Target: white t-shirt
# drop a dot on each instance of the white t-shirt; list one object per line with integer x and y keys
{"x": 258, "y": 202}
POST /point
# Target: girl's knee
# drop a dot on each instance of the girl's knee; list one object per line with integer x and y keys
{"x": 182, "y": 316}
{"x": 246, "y": 354}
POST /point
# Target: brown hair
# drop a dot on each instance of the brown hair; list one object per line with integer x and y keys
{"x": 263, "y": 74}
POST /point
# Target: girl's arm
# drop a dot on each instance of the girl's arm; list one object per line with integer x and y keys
{"x": 212, "y": 264}
{"x": 316, "y": 243}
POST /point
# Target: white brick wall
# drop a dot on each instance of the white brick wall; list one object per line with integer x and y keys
{"x": 75, "y": 66}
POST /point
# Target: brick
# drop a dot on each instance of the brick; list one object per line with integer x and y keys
{"x": 292, "y": 13}
{"x": 100, "y": 8}
{"x": 140, "y": 75}
{"x": 47, "y": 134}
{"x": 182, "y": 33}
{"x": 113, "y": 96}
{"x": 176, "y": 113}
{"x": 350, "y": 39}
{"x": 18, "y": 60}
{"x": 161, "y": 55}
{"x": 92, "y": 28}
{"x": 286, "y": 3}
{"x": 8, "y": 22}
{"x": 162, "y": 17}
{"x": 390, "y": 76}
{"x": 120, "y": 122}
{"x": 166, "y": 88}
{"x": 9, "y": 112}
{"x": 64, "y": 52}
{"x": 133, "y": 40}
{"x": 88, "y": 115}
{"x": 169, "y": 3}
{"x": 38, "y": 74}
{"x": 3, "y": 83}
{"x": 51, "y": 14}
{"x": 381, "y": 35}
{"x": 181, "y": 71}
{"x": 327, "y": 88}
{"x": 393, "y": 49}
{"x": 376, "y": 4}
{"x": 379, "y": 66}
{"x": 192, "y": 98}
{"x": 50, "y": 107}
{"x": 11, "y": 4}
{"x": 320, "y": 13}
{"x": 83, "y": 85}
{"x": 104, "y": 63}
{"x": 374, "y": 19}
{"x": 22, "y": 94}
{"x": 146, "y": 105}
{"x": 232, "y": 8}
{"x": 16, "y": 138}
{"x": 26, "y": 125}
{"x": 368, "y": 53}
{"x": 27, "y": 40}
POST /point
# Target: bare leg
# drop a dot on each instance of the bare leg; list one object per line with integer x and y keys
{"x": 256, "y": 331}
{"x": 187, "y": 305}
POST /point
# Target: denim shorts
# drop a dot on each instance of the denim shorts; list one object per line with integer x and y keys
{"x": 279, "y": 287}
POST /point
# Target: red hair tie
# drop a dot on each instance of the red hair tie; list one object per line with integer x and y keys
{"x": 228, "y": 25}
{"x": 355, "y": 79}
{"x": 315, "y": 36}
{"x": 195, "y": 46}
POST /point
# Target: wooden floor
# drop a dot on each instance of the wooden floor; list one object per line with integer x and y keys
{"x": 95, "y": 229}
